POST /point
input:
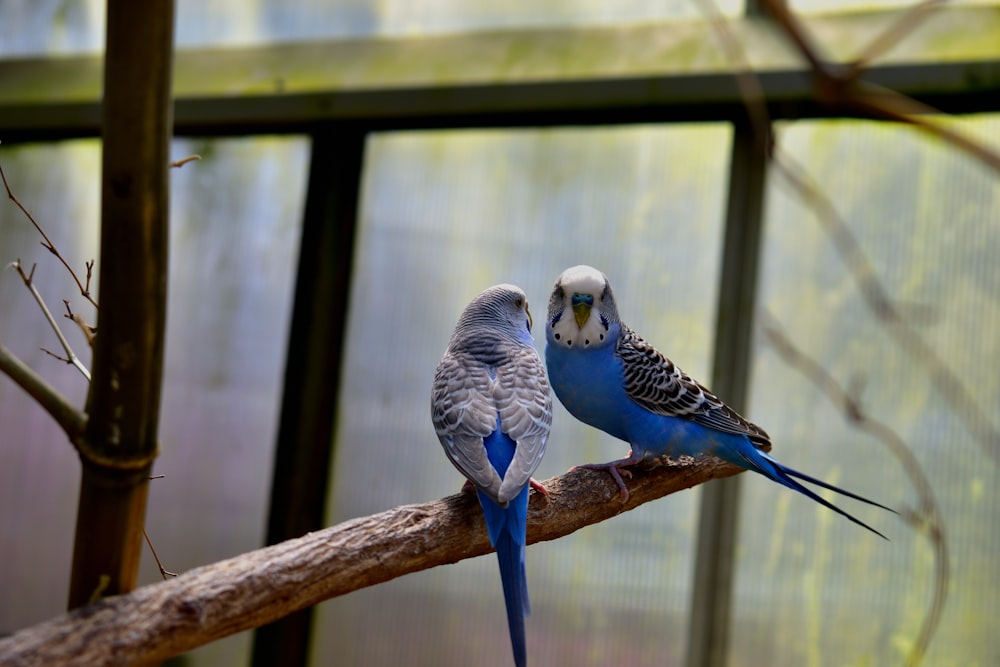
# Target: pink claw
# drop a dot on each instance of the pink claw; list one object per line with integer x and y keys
{"x": 469, "y": 487}
{"x": 616, "y": 469}
{"x": 537, "y": 486}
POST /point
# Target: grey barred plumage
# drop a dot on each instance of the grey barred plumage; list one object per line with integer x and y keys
{"x": 492, "y": 318}
{"x": 491, "y": 369}
{"x": 659, "y": 385}
{"x": 492, "y": 408}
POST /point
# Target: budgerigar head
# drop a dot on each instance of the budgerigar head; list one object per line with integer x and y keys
{"x": 501, "y": 309}
{"x": 582, "y": 308}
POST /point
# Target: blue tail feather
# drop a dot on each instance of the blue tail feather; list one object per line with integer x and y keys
{"x": 509, "y": 543}
{"x": 507, "y": 528}
{"x": 766, "y": 465}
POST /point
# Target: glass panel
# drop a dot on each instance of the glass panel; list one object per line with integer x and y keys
{"x": 52, "y": 26}
{"x": 812, "y": 588}
{"x": 443, "y": 216}
{"x": 235, "y": 224}
{"x": 32, "y": 27}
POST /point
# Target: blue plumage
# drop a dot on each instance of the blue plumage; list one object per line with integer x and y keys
{"x": 607, "y": 376}
{"x": 507, "y": 528}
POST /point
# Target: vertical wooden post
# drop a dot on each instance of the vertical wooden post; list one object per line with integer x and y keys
{"x": 312, "y": 373}
{"x": 123, "y": 405}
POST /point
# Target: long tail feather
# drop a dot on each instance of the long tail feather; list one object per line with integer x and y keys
{"x": 507, "y": 528}
{"x": 783, "y": 475}
{"x": 818, "y": 482}
{"x": 510, "y": 556}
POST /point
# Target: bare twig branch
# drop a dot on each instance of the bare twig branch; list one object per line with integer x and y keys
{"x": 927, "y": 519}
{"x": 55, "y": 355}
{"x": 837, "y": 86}
{"x": 882, "y": 104}
{"x": 259, "y": 587}
{"x": 90, "y": 274}
{"x": 907, "y": 23}
{"x": 177, "y": 164}
{"x": 66, "y": 415}
{"x": 70, "y": 355}
{"x": 885, "y": 104}
{"x": 751, "y": 91}
{"x": 797, "y": 33}
{"x": 165, "y": 573}
{"x": 88, "y": 330}
{"x": 47, "y": 243}
{"x": 945, "y": 380}
{"x": 841, "y": 86}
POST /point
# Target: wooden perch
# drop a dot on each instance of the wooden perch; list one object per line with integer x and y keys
{"x": 161, "y": 620}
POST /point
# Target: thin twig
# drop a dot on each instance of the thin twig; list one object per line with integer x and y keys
{"x": 88, "y": 330}
{"x": 177, "y": 164}
{"x": 47, "y": 243}
{"x": 29, "y": 283}
{"x": 751, "y": 90}
{"x": 946, "y": 382}
{"x": 21, "y": 374}
{"x": 796, "y": 32}
{"x": 927, "y": 519}
{"x": 56, "y": 356}
{"x": 66, "y": 415}
{"x": 165, "y": 573}
{"x": 885, "y": 104}
{"x": 895, "y": 33}
{"x": 842, "y": 87}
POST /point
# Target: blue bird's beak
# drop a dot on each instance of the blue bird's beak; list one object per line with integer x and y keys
{"x": 582, "y": 303}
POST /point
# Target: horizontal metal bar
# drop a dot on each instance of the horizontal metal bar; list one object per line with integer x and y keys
{"x": 665, "y": 72}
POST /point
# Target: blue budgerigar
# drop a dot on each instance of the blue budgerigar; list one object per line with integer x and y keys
{"x": 610, "y": 378}
{"x": 492, "y": 409}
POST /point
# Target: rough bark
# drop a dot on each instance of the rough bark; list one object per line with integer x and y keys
{"x": 157, "y": 621}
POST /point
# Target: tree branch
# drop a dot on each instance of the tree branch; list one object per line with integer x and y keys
{"x": 948, "y": 384}
{"x": 48, "y": 244}
{"x": 71, "y": 358}
{"x": 66, "y": 415}
{"x": 927, "y": 519}
{"x": 205, "y": 604}
{"x": 842, "y": 86}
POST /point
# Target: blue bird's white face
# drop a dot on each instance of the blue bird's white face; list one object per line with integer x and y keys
{"x": 581, "y": 309}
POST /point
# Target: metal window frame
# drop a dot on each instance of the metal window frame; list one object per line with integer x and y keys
{"x": 338, "y": 92}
